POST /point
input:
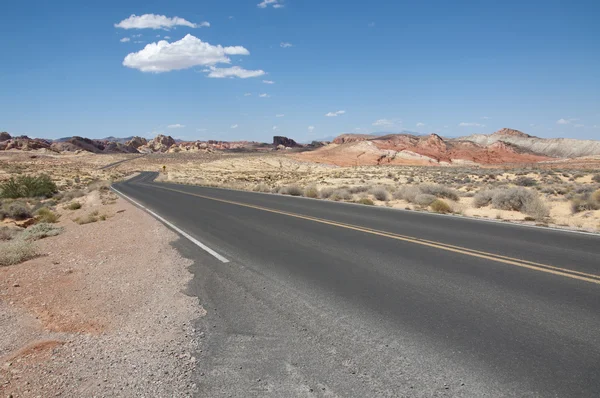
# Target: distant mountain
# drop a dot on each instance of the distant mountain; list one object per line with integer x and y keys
{"x": 107, "y": 139}
{"x": 553, "y": 147}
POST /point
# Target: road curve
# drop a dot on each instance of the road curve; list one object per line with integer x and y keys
{"x": 330, "y": 299}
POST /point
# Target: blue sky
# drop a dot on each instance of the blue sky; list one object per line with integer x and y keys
{"x": 449, "y": 67}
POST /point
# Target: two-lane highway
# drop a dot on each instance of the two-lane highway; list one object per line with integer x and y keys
{"x": 330, "y": 299}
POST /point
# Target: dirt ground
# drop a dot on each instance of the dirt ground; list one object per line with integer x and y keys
{"x": 101, "y": 313}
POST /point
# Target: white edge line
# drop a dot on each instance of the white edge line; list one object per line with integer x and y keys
{"x": 180, "y": 231}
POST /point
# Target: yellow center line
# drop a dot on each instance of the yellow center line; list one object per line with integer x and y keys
{"x": 424, "y": 242}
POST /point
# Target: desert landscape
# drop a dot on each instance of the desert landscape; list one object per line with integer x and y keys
{"x": 53, "y": 192}
{"x": 507, "y": 175}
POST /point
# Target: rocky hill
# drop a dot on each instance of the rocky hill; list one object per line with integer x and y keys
{"x": 552, "y": 147}
{"x": 359, "y": 149}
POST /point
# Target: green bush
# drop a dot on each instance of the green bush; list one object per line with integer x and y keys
{"x": 28, "y": 187}
{"x": 46, "y": 215}
{"x": 439, "y": 206}
{"x": 40, "y": 231}
{"x": 16, "y": 251}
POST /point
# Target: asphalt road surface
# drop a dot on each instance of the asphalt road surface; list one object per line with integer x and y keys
{"x": 317, "y": 298}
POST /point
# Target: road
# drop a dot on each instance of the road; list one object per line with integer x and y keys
{"x": 339, "y": 300}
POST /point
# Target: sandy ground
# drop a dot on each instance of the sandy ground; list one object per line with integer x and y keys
{"x": 102, "y": 313}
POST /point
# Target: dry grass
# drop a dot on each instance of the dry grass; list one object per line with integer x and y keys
{"x": 45, "y": 215}
{"x": 16, "y": 251}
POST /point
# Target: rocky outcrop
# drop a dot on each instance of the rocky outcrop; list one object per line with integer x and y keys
{"x": 136, "y": 142}
{"x": 24, "y": 143}
{"x": 4, "y": 136}
{"x": 286, "y": 142}
{"x": 351, "y": 150}
{"x": 551, "y": 147}
{"x": 346, "y": 138}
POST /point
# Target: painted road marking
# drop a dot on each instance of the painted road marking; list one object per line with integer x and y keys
{"x": 179, "y": 230}
{"x": 438, "y": 245}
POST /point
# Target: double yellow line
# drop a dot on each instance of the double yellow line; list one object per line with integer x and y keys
{"x": 424, "y": 242}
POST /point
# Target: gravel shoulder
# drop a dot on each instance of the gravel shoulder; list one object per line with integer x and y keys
{"x": 102, "y": 313}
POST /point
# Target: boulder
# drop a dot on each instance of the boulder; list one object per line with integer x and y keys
{"x": 4, "y": 136}
{"x": 286, "y": 142}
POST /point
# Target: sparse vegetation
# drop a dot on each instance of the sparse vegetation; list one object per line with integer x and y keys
{"x": 73, "y": 206}
{"x": 311, "y": 191}
{"x": 16, "y": 251}
{"x": 424, "y": 199}
{"x": 16, "y": 210}
{"x": 25, "y": 186}
{"x": 293, "y": 190}
{"x": 380, "y": 193}
{"x": 439, "y": 206}
{"x": 88, "y": 218}
{"x": 340, "y": 194}
{"x": 8, "y": 233}
{"x": 262, "y": 187}
{"x": 45, "y": 215}
{"x": 365, "y": 201}
{"x": 40, "y": 231}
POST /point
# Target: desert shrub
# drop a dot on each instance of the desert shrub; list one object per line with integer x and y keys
{"x": 439, "y": 191}
{"x": 483, "y": 198}
{"x": 293, "y": 190}
{"x": 16, "y": 251}
{"x": 87, "y": 219}
{"x": 439, "y": 206}
{"x": 17, "y": 210}
{"x": 365, "y": 201}
{"x": 359, "y": 189}
{"x": 525, "y": 182}
{"x": 8, "y": 233}
{"x": 311, "y": 192}
{"x": 595, "y": 196}
{"x": 536, "y": 208}
{"x": 512, "y": 199}
{"x": 98, "y": 186}
{"x": 73, "y": 206}
{"x": 424, "y": 199}
{"x": 340, "y": 194}
{"x": 70, "y": 195}
{"x": 582, "y": 203}
{"x": 326, "y": 193}
{"x": 40, "y": 231}
{"x": 261, "y": 187}
{"x": 28, "y": 187}
{"x": 46, "y": 215}
{"x": 596, "y": 178}
{"x": 380, "y": 193}
{"x": 408, "y": 193}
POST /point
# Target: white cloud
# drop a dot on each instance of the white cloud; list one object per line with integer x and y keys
{"x": 485, "y": 117}
{"x": 138, "y": 41}
{"x": 311, "y": 128}
{"x": 284, "y": 44}
{"x": 563, "y": 121}
{"x": 273, "y": 3}
{"x": 167, "y": 37}
{"x": 383, "y": 122}
{"x": 247, "y": 94}
{"x": 268, "y": 82}
{"x": 234, "y": 71}
{"x": 234, "y": 126}
{"x": 182, "y": 54}
{"x": 139, "y": 35}
{"x": 280, "y": 115}
{"x": 125, "y": 40}
{"x": 274, "y": 127}
{"x": 264, "y": 95}
{"x": 175, "y": 126}
{"x": 334, "y": 114}
{"x": 420, "y": 124}
{"x": 152, "y": 21}
{"x": 470, "y": 124}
